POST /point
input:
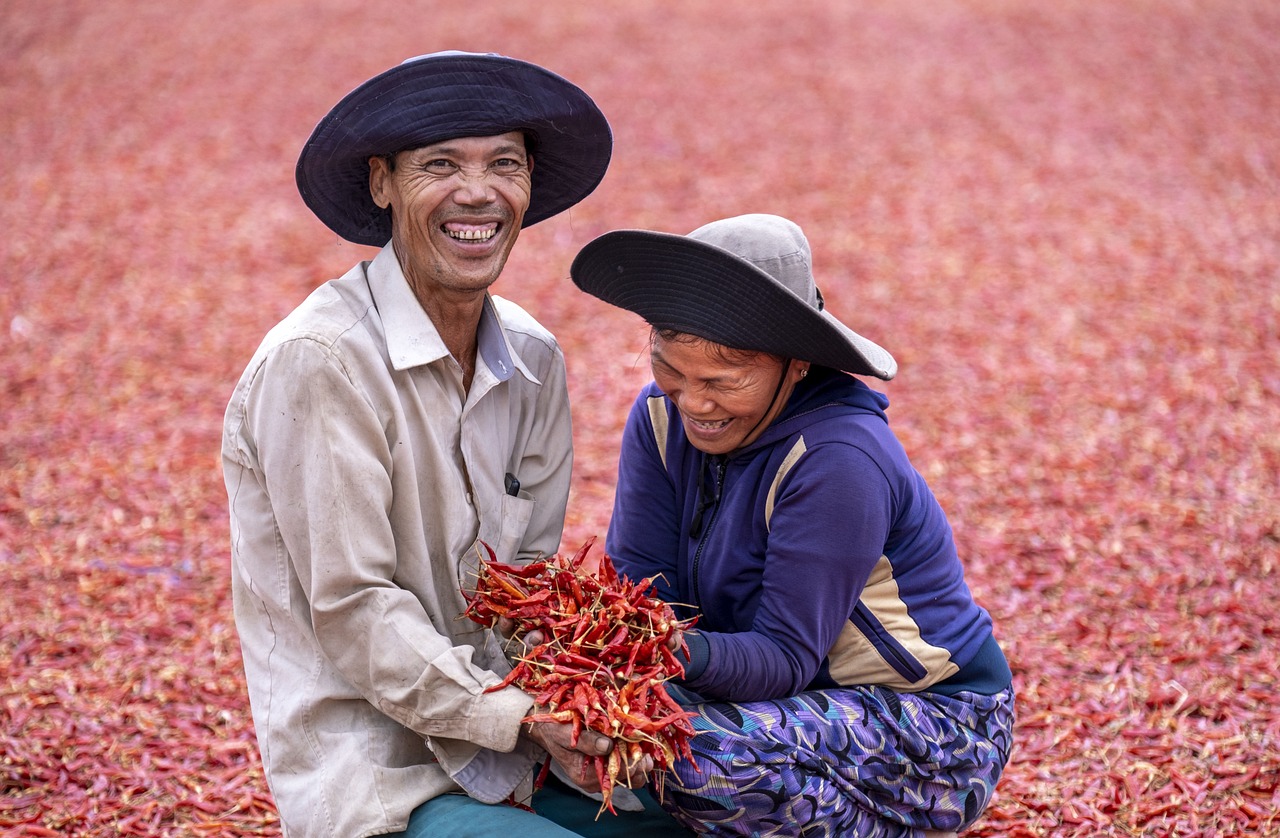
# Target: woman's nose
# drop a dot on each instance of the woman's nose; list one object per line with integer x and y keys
{"x": 693, "y": 403}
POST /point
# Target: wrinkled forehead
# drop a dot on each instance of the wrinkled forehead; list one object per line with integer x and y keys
{"x": 490, "y": 143}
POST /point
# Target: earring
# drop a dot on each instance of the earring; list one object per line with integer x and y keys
{"x": 804, "y": 372}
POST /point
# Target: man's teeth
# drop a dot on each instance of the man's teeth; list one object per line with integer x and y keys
{"x": 472, "y": 235}
{"x": 710, "y": 426}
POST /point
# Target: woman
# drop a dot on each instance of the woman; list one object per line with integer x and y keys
{"x": 846, "y": 681}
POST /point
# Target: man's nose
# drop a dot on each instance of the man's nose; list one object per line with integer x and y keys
{"x": 475, "y": 187}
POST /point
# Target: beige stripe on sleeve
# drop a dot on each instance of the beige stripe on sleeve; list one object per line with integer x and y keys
{"x": 788, "y": 461}
{"x": 658, "y": 416}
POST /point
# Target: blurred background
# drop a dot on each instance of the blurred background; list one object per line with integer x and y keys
{"x": 1063, "y": 220}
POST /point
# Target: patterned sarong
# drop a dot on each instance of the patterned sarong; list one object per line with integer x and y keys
{"x": 858, "y": 761}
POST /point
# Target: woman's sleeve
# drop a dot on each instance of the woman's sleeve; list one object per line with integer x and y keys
{"x": 644, "y": 532}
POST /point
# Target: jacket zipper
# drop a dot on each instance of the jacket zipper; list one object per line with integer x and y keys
{"x": 721, "y": 465}
{"x": 886, "y": 644}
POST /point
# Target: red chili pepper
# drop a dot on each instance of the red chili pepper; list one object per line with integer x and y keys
{"x": 604, "y": 659}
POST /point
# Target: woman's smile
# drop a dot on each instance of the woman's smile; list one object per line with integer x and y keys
{"x": 708, "y": 429}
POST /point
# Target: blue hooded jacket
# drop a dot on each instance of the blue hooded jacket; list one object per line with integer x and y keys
{"x": 814, "y": 557}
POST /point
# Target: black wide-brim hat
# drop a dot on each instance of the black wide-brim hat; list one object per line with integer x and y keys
{"x": 444, "y": 96}
{"x": 744, "y": 282}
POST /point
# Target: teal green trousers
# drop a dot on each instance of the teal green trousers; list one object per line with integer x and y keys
{"x": 560, "y": 813}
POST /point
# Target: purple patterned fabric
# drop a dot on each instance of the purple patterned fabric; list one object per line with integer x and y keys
{"x": 864, "y": 761}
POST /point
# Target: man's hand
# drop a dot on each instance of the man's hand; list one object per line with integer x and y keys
{"x": 556, "y": 740}
{"x": 512, "y": 647}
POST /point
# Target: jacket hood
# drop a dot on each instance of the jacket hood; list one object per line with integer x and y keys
{"x": 823, "y": 393}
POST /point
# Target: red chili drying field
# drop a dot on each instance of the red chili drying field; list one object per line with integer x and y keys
{"x": 1063, "y": 219}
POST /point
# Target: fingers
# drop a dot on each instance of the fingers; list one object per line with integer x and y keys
{"x": 554, "y": 736}
{"x": 580, "y": 771}
{"x": 517, "y": 646}
{"x": 557, "y": 741}
{"x": 593, "y": 744}
{"x": 637, "y": 773}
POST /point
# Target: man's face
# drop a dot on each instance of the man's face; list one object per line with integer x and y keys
{"x": 456, "y": 209}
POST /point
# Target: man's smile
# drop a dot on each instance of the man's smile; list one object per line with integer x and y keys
{"x": 471, "y": 233}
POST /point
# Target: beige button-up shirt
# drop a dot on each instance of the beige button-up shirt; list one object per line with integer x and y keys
{"x": 360, "y": 479}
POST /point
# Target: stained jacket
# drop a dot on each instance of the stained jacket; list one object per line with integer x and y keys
{"x": 360, "y": 479}
{"x": 814, "y": 557}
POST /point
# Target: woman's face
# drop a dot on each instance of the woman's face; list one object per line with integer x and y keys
{"x": 726, "y": 397}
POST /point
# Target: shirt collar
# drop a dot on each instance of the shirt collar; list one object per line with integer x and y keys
{"x": 413, "y": 340}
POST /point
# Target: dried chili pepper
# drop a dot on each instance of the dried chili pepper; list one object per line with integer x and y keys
{"x": 605, "y": 656}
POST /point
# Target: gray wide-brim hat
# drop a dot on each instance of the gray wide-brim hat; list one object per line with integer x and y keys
{"x": 444, "y": 96}
{"x": 743, "y": 282}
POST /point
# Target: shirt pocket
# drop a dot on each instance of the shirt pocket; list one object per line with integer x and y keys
{"x": 514, "y": 521}
{"x": 503, "y": 533}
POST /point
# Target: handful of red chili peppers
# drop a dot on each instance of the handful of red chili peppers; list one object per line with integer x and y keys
{"x": 605, "y": 657}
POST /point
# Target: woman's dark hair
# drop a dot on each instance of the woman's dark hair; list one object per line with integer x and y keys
{"x": 727, "y": 354}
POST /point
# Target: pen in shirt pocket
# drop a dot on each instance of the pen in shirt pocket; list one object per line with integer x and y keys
{"x": 513, "y": 485}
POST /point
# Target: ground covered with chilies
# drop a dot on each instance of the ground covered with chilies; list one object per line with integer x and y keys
{"x": 1062, "y": 218}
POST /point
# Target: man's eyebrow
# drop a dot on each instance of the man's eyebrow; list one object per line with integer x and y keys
{"x": 446, "y": 149}
{"x": 510, "y": 148}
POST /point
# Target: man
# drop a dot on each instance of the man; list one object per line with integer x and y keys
{"x": 399, "y": 417}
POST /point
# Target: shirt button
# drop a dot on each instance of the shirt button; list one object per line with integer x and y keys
{"x": 468, "y": 498}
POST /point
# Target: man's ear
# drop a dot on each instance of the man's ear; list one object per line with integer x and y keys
{"x": 379, "y": 174}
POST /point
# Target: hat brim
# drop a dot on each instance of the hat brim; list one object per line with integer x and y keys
{"x": 675, "y": 282}
{"x": 445, "y": 96}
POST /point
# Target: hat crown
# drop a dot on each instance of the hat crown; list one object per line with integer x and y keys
{"x": 450, "y": 53}
{"x": 773, "y": 244}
